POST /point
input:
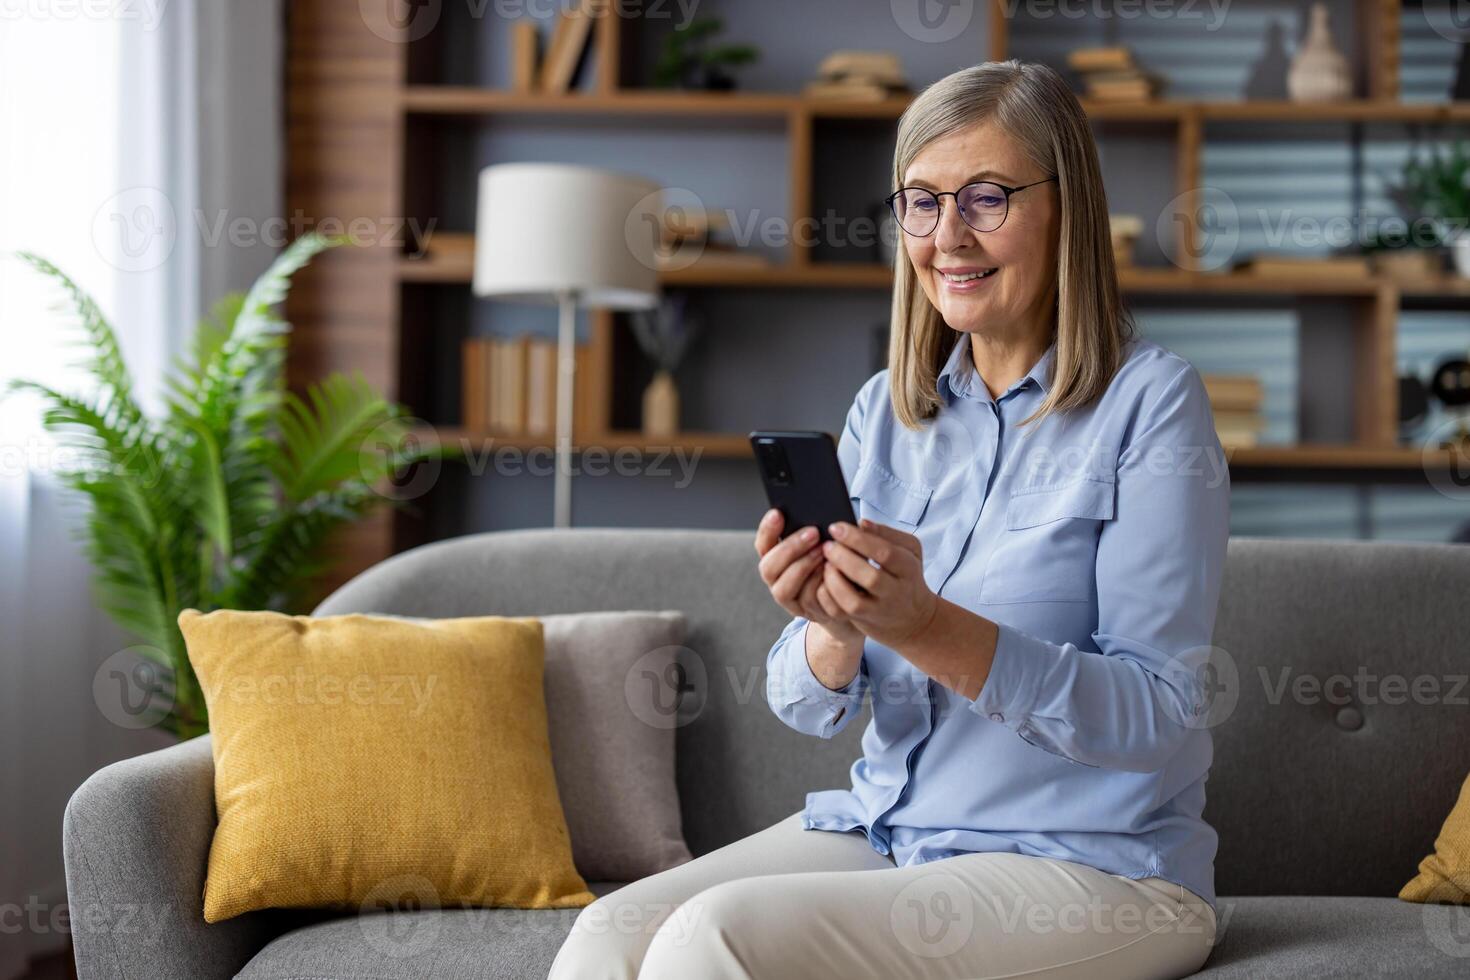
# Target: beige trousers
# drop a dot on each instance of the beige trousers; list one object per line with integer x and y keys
{"x": 810, "y": 904}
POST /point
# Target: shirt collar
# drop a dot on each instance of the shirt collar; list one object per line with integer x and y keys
{"x": 958, "y": 376}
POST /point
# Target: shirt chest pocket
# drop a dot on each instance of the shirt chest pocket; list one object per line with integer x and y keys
{"x": 880, "y": 496}
{"x": 1048, "y": 549}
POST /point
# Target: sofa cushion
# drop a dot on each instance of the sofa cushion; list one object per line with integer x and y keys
{"x": 446, "y": 944}
{"x": 611, "y": 693}
{"x": 358, "y": 756}
{"x": 1276, "y": 936}
{"x": 1266, "y": 936}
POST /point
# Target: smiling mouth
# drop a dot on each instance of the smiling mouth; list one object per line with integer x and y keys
{"x": 967, "y": 276}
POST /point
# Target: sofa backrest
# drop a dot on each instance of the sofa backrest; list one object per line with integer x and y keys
{"x": 1336, "y": 784}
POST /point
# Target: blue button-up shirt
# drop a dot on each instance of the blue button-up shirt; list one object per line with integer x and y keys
{"x": 1095, "y": 539}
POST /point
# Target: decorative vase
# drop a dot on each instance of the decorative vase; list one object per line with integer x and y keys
{"x": 1460, "y": 249}
{"x": 661, "y": 406}
{"x": 1319, "y": 72}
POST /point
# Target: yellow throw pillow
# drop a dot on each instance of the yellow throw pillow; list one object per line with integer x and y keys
{"x": 1444, "y": 876}
{"x": 361, "y": 756}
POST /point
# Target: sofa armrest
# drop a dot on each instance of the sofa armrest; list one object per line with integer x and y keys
{"x": 136, "y": 839}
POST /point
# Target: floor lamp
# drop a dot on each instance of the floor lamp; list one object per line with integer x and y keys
{"x": 573, "y": 236}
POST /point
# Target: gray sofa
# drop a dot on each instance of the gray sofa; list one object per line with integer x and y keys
{"x": 1324, "y": 809}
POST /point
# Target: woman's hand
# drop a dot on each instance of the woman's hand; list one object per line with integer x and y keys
{"x": 787, "y": 567}
{"x": 899, "y": 604}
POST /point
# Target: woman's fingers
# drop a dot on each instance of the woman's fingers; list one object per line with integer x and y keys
{"x": 807, "y": 600}
{"x": 774, "y": 561}
{"x": 843, "y": 592}
{"x": 768, "y": 531}
{"x": 825, "y": 600}
{"x": 854, "y": 566}
{"x": 788, "y": 585}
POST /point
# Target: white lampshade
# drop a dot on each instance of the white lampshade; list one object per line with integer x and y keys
{"x": 545, "y": 230}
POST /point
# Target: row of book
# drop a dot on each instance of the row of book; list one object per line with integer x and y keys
{"x": 509, "y": 386}
{"x": 1236, "y": 400}
{"x": 565, "y": 52}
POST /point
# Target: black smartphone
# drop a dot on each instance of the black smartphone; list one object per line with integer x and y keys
{"x": 803, "y": 479}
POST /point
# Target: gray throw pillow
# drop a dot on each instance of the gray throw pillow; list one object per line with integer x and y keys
{"x": 610, "y": 691}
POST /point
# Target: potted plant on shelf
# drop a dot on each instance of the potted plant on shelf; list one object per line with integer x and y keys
{"x": 1437, "y": 188}
{"x": 689, "y": 60}
{"x": 226, "y": 498}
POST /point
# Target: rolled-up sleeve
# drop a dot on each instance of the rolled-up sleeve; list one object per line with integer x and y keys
{"x": 1160, "y": 561}
{"x": 794, "y": 693}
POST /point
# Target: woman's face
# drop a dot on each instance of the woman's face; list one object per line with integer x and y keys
{"x": 1016, "y": 299}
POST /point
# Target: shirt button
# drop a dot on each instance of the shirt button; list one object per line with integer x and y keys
{"x": 997, "y": 716}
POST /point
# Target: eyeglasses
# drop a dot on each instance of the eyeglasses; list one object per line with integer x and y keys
{"x": 983, "y": 205}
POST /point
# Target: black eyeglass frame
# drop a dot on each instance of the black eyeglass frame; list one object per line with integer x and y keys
{"x": 891, "y": 201}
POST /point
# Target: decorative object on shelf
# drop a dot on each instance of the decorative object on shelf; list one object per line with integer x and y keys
{"x": 1450, "y": 383}
{"x": 569, "y": 43}
{"x": 1413, "y": 405}
{"x": 1125, "y": 229}
{"x": 873, "y": 75}
{"x": 1111, "y": 75}
{"x": 574, "y": 236}
{"x": 227, "y": 498}
{"x": 1305, "y": 266}
{"x": 688, "y": 235}
{"x": 1437, "y": 188}
{"x": 1319, "y": 72}
{"x": 689, "y": 60}
{"x": 1236, "y": 400}
{"x": 664, "y": 334}
{"x": 1407, "y": 264}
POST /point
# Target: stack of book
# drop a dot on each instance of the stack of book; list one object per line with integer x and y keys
{"x": 1236, "y": 401}
{"x": 570, "y": 39}
{"x": 1110, "y": 75}
{"x": 510, "y": 385}
{"x": 688, "y": 235}
{"x": 872, "y": 75}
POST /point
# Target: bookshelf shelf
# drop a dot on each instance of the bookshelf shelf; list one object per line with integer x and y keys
{"x": 445, "y": 100}
{"x": 735, "y": 445}
{"x": 449, "y": 260}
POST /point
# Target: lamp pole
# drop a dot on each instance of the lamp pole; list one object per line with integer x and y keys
{"x": 566, "y": 354}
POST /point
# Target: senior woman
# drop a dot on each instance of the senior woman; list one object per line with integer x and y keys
{"x": 1027, "y": 601}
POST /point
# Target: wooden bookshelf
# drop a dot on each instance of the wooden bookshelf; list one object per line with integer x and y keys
{"x": 355, "y": 108}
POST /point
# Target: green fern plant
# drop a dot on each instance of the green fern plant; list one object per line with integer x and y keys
{"x": 225, "y": 500}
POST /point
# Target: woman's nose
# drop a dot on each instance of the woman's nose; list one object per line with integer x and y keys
{"x": 952, "y": 232}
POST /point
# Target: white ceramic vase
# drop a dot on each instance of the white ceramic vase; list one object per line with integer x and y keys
{"x": 1319, "y": 72}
